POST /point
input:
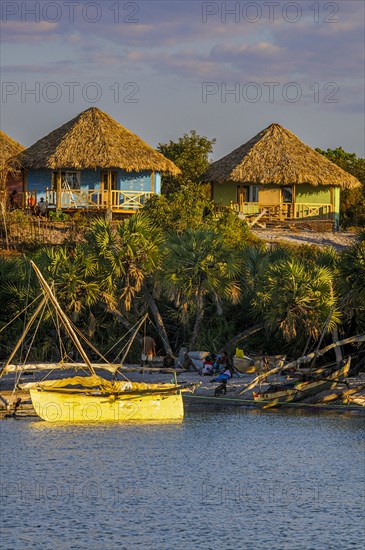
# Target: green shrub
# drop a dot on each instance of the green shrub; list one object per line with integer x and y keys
{"x": 59, "y": 216}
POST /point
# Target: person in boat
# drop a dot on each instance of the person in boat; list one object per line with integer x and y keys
{"x": 148, "y": 350}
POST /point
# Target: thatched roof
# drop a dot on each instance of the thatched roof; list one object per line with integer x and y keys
{"x": 8, "y": 149}
{"x": 277, "y": 156}
{"x": 94, "y": 140}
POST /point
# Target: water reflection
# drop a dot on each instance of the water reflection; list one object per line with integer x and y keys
{"x": 227, "y": 478}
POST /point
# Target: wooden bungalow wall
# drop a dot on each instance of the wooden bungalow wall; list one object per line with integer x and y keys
{"x": 40, "y": 180}
{"x": 225, "y": 194}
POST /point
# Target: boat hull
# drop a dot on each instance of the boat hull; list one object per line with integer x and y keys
{"x": 54, "y": 406}
{"x": 303, "y": 390}
{"x": 357, "y": 399}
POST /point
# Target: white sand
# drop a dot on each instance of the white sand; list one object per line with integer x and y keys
{"x": 339, "y": 240}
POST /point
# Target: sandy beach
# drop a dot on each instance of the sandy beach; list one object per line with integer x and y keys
{"x": 339, "y": 240}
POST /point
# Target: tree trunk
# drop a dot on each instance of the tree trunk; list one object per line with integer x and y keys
{"x": 158, "y": 320}
{"x": 241, "y": 336}
{"x": 122, "y": 320}
{"x": 198, "y": 322}
{"x": 3, "y": 212}
{"x": 338, "y": 350}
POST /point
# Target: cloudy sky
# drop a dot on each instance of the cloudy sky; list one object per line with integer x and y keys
{"x": 162, "y": 68}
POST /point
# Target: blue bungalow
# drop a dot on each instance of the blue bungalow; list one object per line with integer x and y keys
{"x": 92, "y": 162}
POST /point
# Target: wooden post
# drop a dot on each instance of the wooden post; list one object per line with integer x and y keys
{"x": 58, "y": 190}
{"x": 109, "y": 184}
{"x": 102, "y": 189}
{"x": 109, "y": 202}
{"x": 153, "y": 182}
{"x": 332, "y": 203}
{"x": 25, "y": 198}
{"x": 25, "y": 181}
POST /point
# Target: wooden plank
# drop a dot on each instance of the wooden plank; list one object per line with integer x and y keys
{"x": 255, "y": 220}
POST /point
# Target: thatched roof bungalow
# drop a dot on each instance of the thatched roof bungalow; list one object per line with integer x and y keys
{"x": 94, "y": 162}
{"x": 276, "y": 172}
{"x": 10, "y": 174}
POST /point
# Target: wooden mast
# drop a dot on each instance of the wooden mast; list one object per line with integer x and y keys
{"x": 65, "y": 320}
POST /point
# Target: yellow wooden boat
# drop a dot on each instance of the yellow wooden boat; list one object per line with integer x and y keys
{"x": 94, "y": 398}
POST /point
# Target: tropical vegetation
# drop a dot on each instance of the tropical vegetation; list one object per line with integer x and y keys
{"x": 352, "y": 200}
{"x": 202, "y": 285}
{"x": 204, "y": 278}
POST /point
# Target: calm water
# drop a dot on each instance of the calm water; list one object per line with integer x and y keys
{"x": 233, "y": 479}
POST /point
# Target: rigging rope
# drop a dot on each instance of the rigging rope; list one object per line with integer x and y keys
{"x": 120, "y": 339}
{"x": 21, "y": 312}
{"x": 83, "y": 337}
{"x": 25, "y": 316}
{"x": 18, "y": 374}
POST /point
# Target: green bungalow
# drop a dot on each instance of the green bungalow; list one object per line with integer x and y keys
{"x": 92, "y": 162}
{"x": 279, "y": 176}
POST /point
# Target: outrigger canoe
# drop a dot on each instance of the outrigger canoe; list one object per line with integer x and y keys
{"x": 295, "y": 390}
{"x": 94, "y": 399}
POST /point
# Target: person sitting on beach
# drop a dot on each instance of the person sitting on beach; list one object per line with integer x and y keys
{"x": 188, "y": 363}
{"x": 226, "y": 375}
{"x": 208, "y": 367}
{"x": 222, "y": 362}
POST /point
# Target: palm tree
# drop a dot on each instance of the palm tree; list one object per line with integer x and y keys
{"x": 197, "y": 265}
{"x": 351, "y": 284}
{"x": 73, "y": 273}
{"x": 128, "y": 256}
{"x": 296, "y": 301}
{"x": 254, "y": 264}
{"x": 19, "y": 292}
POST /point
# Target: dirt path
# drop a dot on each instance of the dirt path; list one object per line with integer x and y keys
{"x": 339, "y": 240}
